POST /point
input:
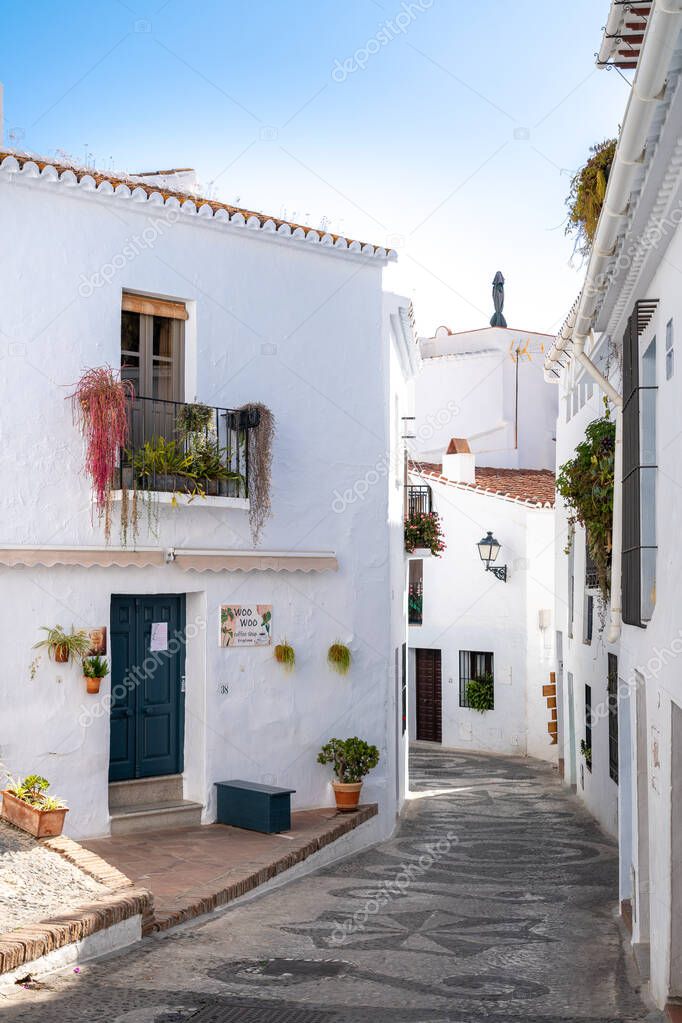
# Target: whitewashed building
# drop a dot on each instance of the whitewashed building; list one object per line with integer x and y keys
{"x": 201, "y": 303}
{"x": 621, "y": 337}
{"x": 495, "y": 476}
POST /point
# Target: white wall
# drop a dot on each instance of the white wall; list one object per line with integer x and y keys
{"x": 295, "y": 326}
{"x": 468, "y": 389}
{"x": 466, "y": 608}
{"x": 587, "y": 663}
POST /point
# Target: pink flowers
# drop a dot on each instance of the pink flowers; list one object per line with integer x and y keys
{"x": 423, "y": 529}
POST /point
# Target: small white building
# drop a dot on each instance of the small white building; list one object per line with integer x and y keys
{"x": 204, "y": 305}
{"x": 486, "y": 385}
{"x": 468, "y": 621}
{"x": 623, "y": 693}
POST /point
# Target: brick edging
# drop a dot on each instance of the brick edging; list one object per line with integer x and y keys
{"x": 24, "y": 944}
{"x": 125, "y": 900}
{"x": 162, "y": 921}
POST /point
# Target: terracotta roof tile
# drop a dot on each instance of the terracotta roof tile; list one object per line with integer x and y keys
{"x": 526, "y": 486}
{"x": 86, "y": 175}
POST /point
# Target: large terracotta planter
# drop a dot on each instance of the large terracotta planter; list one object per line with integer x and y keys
{"x": 92, "y": 684}
{"x": 347, "y": 795}
{"x": 40, "y": 823}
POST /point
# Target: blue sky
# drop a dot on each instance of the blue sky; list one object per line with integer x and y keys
{"x": 454, "y": 141}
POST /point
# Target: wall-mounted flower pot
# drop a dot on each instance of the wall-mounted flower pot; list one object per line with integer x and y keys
{"x": 419, "y": 552}
{"x": 39, "y": 823}
{"x": 347, "y": 795}
{"x": 61, "y": 653}
{"x": 92, "y": 685}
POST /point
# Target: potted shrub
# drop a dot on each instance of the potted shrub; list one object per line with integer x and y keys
{"x": 94, "y": 670}
{"x": 351, "y": 759}
{"x": 61, "y": 645}
{"x": 481, "y": 693}
{"x": 285, "y": 655}
{"x": 339, "y": 658}
{"x": 586, "y": 751}
{"x": 27, "y": 805}
{"x": 424, "y": 535}
{"x": 194, "y": 418}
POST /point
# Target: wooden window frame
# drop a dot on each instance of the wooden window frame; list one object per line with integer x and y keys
{"x": 156, "y": 308}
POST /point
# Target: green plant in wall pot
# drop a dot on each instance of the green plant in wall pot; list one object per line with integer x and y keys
{"x": 586, "y": 752}
{"x": 94, "y": 670}
{"x": 194, "y": 418}
{"x": 61, "y": 645}
{"x": 351, "y": 760}
{"x": 285, "y": 655}
{"x": 481, "y": 693}
{"x": 339, "y": 658}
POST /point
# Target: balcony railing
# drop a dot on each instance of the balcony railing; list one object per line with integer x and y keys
{"x": 194, "y": 449}
{"x": 418, "y": 500}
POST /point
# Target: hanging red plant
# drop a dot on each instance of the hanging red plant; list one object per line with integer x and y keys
{"x": 100, "y": 403}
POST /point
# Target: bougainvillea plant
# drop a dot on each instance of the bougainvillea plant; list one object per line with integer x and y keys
{"x": 586, "y": 484}
{"x": 100, "y": 403}
{"x": 423, "y": 529}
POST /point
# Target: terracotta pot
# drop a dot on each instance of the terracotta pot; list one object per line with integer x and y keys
{"x": 92, "y": 684}
{"x": 40, "y": 823}
{"x": 347, "y": 795}
{"x": 61, "y": 653}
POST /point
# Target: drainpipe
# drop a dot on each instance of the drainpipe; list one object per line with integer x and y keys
{"x": 617, "y": 531}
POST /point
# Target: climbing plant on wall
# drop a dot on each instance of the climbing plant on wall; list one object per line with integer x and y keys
{"x": 586, "y": 198}
{"x": 586, "y": 484}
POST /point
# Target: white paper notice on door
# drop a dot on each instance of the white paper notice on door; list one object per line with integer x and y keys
{"x": 159, "y": 637}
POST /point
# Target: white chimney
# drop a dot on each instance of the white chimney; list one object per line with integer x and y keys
{"x": 459, "y": 464}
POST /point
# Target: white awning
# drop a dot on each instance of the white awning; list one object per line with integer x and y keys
{"x": 187, "y": 559}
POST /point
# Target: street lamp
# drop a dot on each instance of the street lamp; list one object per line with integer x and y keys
{"x": 488, "y": 549}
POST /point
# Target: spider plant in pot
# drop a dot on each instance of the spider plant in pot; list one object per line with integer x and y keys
{"x": 285, "y": 655}
{"x": 27, "y": 805}
{"x": 94, "y": 670}
{"x": 351, "y": 760}
{"x": 61, "y": 645}
{"x": 339, "y": 658}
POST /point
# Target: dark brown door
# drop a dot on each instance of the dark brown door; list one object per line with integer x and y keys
{"x": 429, "y": 698}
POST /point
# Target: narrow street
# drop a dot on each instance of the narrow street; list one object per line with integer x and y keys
{"x": 509, "y": 914}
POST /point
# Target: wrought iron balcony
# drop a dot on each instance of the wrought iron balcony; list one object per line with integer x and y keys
{"x": 194, "y": 449}
{"x": 418, "y": 500}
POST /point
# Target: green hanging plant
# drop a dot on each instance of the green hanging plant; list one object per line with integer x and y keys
{"x": 481, "y": 693}
{"x": 285, "y": 655}
{"x": 586, "y": 484}
{"x": 586, "y": 752}
{"x": 339, "y": 658}
{"x": 586, "y": 198}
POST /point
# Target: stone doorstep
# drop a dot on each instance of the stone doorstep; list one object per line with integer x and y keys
{"x": 32, "y": 941}
{"x": 206, "y": 900}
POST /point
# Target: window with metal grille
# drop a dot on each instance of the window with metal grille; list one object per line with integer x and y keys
{"x": 669, "y": 350}
{"x": 591, "y": 576}
{"x": 588, "y": 623}
{"x": 613, "y": 717}
{"x": 639, "y": 470}
{"x": 588, "y": 726}
{"x": 473, "y": 664}
{"x": 403, "y": 687}
{"x": 415, "y": 593}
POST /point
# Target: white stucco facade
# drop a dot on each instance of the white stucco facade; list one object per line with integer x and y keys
{"x": 486, "y": 385}
{"x": 466, "y": 608}
{"x": 296, "y": 323}
{"x": 643, "y": 808}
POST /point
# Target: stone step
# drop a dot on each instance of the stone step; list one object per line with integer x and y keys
{"x": 130, "y": 820}
{"x": 165, "y": 788}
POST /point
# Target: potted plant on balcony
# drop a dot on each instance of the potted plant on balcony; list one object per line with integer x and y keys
{"x": 27, "y": 805}
{"x": 62, "y": 645}
{"x": 351, "y": 760}
{"x": 94, "y": 670}
{"x": 424, "y": 535}
{"x": 194, "y": 418}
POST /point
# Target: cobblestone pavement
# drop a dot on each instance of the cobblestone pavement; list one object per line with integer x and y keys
{"x": 495, "y": 900}
{"x": 36, "y": 883}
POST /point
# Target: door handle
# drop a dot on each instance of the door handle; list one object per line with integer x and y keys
{"x": 121, "y": 712}
{"x": 154, "y": 710}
